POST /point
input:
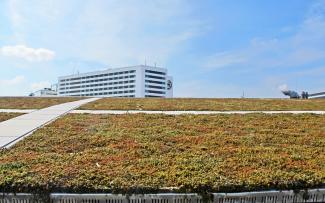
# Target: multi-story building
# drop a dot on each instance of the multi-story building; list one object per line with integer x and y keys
{"x": 134, "y": 81}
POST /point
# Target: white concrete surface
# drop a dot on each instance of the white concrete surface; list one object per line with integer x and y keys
{"x": 164, "y": 112}
{"x": 189, "y": 112}
{"x": 19, "y": 127}
{"x": 17, "y": 110}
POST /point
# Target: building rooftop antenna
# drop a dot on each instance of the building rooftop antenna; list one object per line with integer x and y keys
{"x": 243, "y": 95}
{"x": 74, "y": 68}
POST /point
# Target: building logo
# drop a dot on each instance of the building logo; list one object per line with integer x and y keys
{"x": 169, "y": 84}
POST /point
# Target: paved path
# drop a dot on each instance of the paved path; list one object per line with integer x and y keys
{"x": 17, "y": 110}
{"x": 164, "y": 112}
{"x": 189, "y": 112}
{"x": 17, "y": 128}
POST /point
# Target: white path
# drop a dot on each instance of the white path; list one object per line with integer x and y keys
{"x": 164, "y": 112}
{"x": 189, "y": 112}
{"x": 17, "y": 110}
{"x": 17, "y": 128}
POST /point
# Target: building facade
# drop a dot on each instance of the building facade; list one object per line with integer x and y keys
{"x": 134, "y": 81}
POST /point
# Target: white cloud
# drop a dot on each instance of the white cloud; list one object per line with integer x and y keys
{"x": 134, "y": 31}
{"x": 40, "y": 85}
{"x": 305, "y": 46}
{"x": 283, "y": 87}
{"x": 14, "y": 81}
{"x": 223, "y": 59}
{"x": 112, "y": 32}
{"x": 15, "y": 16}
{"x": 27, "y": 53}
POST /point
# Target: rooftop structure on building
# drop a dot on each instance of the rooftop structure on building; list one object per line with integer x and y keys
{"x": 46, "y": 92}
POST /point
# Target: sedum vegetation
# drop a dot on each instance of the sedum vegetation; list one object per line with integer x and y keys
{"x": 150, "y": 153}
{"x": 183, "y": 104}
{"x": 7, "y": 116}
{"x": 33, "y": 102}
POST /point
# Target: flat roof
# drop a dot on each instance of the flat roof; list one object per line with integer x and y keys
{"x": 113, "y": 70}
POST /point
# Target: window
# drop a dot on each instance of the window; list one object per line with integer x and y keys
{"x": 156, "y": 82}
{"x": 155, "y": 87}
{"x": 155, "y": 72}
{"x": 155, "y": 92}
{"x": 152, "y": 96}
{"x": 155, "y": 77}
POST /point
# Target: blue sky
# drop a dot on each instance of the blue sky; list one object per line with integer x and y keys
{"x": 213, "y": 48}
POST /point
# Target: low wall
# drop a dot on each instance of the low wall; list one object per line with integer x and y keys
{"x": 315, "y": 195}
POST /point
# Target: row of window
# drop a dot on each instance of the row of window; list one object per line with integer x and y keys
{"x": 155, "y": 82}
{"x": 102, "y": 93}
{"x": 97, "y": 94}
{"x": 96, "y": 76}
{"x": 152, "y": 96}
{"x": 155, "y": 92}
{"x": 99, "y": 80}
{"x": 155, "y": 87}
{"x": 155, "y": 72}
{"x": 102, "y": 84}
{"x": 155, "y": 77}
{"x": 100, "y": 89}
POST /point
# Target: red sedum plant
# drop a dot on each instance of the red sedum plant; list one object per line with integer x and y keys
{"x": 153, "y": 153}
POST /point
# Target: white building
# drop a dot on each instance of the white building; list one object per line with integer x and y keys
{"x": 46, "y": 92}
{"x": 134, "y": 81}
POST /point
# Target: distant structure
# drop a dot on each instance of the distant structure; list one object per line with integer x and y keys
{"x": 304, "y": 95}
{"x": 319, "y": 95}
{"x": 46, "y": 92}
{"x": 134, "y": 81}
{"x": 291, "y": 94}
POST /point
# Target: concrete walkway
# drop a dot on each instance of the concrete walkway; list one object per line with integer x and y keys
{"x": 190, "y": 112}
{"x": 13, "y": 130}
{"x": 164, "y": 112}
{"x": 17, "y": 110}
